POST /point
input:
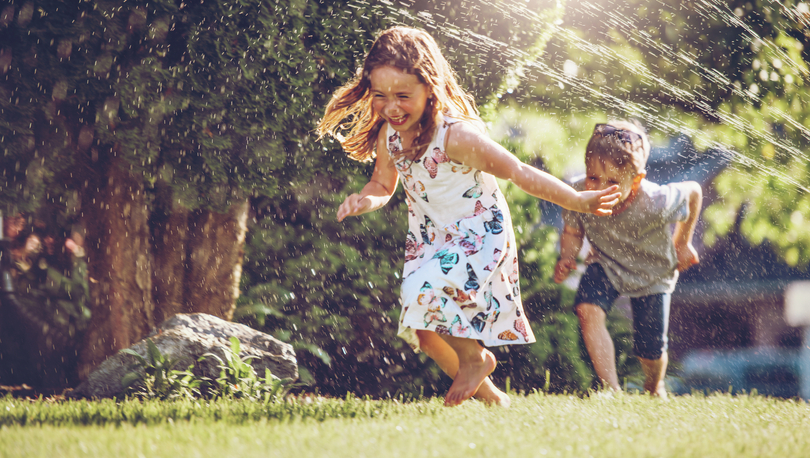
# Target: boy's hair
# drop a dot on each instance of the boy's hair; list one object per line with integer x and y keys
{"x": 622, "y": 143}
{"x": 415, "y": 52}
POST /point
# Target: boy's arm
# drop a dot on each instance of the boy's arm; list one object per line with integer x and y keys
{"x": 570, "y": 244}
{"x": 379, "y": 189}
{"x": 684, "y": 230}
{"x": 470, "y": 147}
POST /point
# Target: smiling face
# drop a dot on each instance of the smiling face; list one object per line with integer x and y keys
{"x": 399, "y": 97}
{"x": 602, "y": 174}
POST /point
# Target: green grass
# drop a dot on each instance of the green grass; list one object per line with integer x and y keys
{"x": 536, "y": 425}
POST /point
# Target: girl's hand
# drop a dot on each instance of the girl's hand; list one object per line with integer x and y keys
{"x": 563, "y": 268}
{"x": 599, "y": 202}
{"x": 687, "y": 256}
{"x": 354, "y": 205}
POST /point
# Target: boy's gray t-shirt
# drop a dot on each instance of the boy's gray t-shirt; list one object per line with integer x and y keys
{"x": 635, "y": 247}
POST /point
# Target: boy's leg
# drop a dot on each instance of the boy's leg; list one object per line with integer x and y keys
{"x": 594, "y": 299}
{"x": 443, "y": 354}
{"x": 654, "y": 371}
{"x": 600, "y": 347}
{"x": 650, "y": 328}
{"x": 475, "y": 363}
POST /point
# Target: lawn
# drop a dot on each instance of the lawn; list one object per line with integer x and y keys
{"x": 536, "y": 425}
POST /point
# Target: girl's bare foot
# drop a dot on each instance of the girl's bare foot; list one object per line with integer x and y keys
{"x": 469, "y": 378}
{"x": 491, "y": 395}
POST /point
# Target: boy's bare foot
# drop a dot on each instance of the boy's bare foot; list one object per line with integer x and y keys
{"x": 491, "y": 395}
{"x": 469, "y": 378}
{"x": 603, "y": 394}
{"x": 659, "y": 391}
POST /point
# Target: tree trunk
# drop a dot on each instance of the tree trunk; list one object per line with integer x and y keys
{"x": 170, "y": 235}
{"x": 198, "y": 258}
{"x": 191, "y": 263}
{"x": 216, "y": 249}
{"x": 119, "y": 264}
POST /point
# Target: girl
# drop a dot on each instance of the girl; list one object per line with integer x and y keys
{"x": 460, "y": 282}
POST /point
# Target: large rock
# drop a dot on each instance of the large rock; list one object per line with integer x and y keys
{"x": 187, "y": 337}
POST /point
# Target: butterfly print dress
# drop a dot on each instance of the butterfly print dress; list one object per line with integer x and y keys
{"x": 461, "y": 270}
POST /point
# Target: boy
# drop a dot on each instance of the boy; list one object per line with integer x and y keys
{"x": 633, "y": 252}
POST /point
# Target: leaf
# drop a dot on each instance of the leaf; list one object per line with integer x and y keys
{"x": 235, "y": 347}
{"x": 130, "y": 378}
{"x": 134, "y": 353}
{"x": 154, "y": 352}
{"x": 212, "y": 355}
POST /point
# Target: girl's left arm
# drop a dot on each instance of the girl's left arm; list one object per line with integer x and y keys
{"x": 379, "y": 189}
{"x": 470, "y": 147}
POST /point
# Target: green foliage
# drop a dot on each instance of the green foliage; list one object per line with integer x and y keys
{"x": 213, "y": 98}
{"x": 237, "y": 378}
{"x": 333, "y": 289}
{"x": 727, "y": 74}
{"x": 155, "y": 376}
{"x": 489, "y": 47}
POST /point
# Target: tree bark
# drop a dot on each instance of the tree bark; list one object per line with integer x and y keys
{"x": 119, "y": 265}
{"x": 216, "y": 249}
{"x": 192, "y": 262}
{"x": 198, "y": 258}
{"x": 170, "y": 235}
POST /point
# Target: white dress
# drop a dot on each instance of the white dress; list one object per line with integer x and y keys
{"x": 461, "y": 268}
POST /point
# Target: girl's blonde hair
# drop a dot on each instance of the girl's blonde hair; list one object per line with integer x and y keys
{"x": 620, "y": 150}
{"x": 415, "y": 52}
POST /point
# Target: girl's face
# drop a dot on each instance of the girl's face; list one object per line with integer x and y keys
{"x": 603, "y": 174}
{"x": 399, "y": 97}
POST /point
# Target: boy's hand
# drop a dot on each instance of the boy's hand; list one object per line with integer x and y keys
{"x": 687, "y": 256}
{"x": 354, "y": 205}
{"x": 600, "y": 202}
{"x": 563, "y": 268}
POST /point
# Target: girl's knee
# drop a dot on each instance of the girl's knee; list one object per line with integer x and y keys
{"x": 427, "y": 340}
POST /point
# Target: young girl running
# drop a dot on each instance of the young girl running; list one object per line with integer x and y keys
{"x": 460, "y": 281}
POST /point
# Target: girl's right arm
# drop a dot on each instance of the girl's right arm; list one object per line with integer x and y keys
{"x": 379, "y": 189}
{"x": 470, "y": 147}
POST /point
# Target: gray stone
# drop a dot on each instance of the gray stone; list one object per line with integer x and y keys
{"x": 187, "y": 337}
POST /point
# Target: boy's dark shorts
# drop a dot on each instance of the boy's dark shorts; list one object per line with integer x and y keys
{"x": 650, "y": 313}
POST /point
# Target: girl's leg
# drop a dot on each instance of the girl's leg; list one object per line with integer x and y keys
{"x": 447, "y": 359}
{"x": 475, "y": 363}
{"x": 599, "y": 344}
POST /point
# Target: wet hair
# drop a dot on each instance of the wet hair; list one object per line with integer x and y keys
{"x": 619, "y": 151}
{"x": 413, "y": 51}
